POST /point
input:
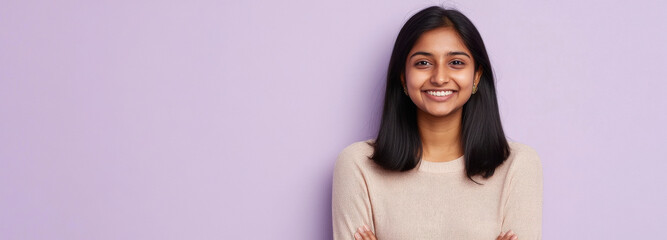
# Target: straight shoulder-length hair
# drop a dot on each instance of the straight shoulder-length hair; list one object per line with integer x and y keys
{"x": 398, "y": 145}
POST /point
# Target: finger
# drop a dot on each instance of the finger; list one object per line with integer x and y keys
{"x": 367, "y": 233}
{"x": 509, "y": 235}
{"x": 363, "y": 233}
{"x": 366, "y": 228}
{"x": 370, "y": 233}
{"x": 357, "y": 236}
{"x": 503, "y": 236}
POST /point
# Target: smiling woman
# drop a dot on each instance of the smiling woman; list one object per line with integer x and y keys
{"x": 440, "y": 73}
{"x": 440, "y": 167}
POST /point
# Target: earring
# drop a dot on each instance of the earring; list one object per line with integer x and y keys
{"x": 474, "y": 88}
{"x": 405, "y": 91}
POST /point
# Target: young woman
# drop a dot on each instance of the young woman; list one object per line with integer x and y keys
{"x": 440, "y": 167}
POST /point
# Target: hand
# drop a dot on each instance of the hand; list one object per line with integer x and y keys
{"x": 364, "y": 233}
{"x": 509, "y": 235}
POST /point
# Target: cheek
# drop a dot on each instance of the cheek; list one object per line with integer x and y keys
{"x": 415, "y": 79}
{"x": 465, "y": 80}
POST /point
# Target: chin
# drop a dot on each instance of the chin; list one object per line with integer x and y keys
{"x": 442, "y": 112}
{"x": 439, "y": 113}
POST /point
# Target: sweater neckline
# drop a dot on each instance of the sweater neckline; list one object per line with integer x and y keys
{"x": 455, "y": 165}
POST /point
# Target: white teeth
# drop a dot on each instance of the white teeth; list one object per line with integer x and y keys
{"x": 439, "y": 93}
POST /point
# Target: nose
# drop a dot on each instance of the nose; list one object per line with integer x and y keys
{"x": 440, "y": 75}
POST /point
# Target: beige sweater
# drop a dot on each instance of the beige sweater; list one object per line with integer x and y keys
{"x": 435, "y": 200}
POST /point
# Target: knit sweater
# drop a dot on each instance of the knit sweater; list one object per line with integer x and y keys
{"x": 436, "y": 200}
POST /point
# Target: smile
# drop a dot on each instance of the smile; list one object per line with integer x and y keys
{"x": 439, "y": 93}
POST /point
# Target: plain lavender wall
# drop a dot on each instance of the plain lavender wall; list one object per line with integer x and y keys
{"x": 222, "y": 120}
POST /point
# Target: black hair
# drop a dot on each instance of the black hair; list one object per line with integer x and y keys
{"x": 398, "y": 144}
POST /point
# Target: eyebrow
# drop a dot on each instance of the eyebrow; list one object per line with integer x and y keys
{"x": 452, "y": 53}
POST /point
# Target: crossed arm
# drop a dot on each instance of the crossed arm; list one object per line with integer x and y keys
{"x": 522, "y": 211}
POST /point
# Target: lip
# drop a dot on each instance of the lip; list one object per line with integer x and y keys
{"x": 439, "y": 98}
{"x": 438, "y": 90}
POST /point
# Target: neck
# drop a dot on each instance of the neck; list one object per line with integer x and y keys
{"x": 440, "y": 136}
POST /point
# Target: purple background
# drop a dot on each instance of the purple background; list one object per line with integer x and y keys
{"x": 222, "y": 120}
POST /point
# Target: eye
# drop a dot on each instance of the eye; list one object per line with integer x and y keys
{"x": 457, "y": 62}
{"x": 421, "y": 63}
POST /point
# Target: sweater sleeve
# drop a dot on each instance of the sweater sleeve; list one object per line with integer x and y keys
{"x": 351, "y": 207}
{"x": 523, "y": 209}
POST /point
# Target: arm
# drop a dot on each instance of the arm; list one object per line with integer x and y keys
{"x": 351, "y": 207}
{"x": 523, "y": 209}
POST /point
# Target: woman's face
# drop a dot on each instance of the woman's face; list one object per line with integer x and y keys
{"x": 439, "y": 73}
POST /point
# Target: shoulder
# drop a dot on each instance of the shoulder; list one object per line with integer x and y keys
{"x": 523, "y": 158}
{"x": 522, "y": 150}
{"x": 356, "y": 154}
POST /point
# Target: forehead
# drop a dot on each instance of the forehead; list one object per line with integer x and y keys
{"x": 439, "y": 41}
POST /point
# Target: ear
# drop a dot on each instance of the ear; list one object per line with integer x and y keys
{"x": 478, "y": 76}
{"x": 402, "y": 79}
